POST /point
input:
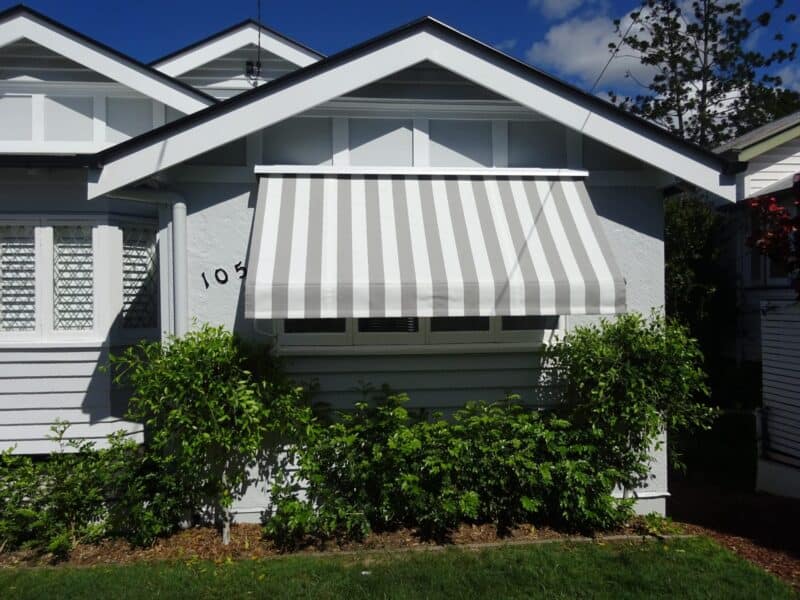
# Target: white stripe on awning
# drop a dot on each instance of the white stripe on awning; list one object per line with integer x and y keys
{"x": 331, "y": 245}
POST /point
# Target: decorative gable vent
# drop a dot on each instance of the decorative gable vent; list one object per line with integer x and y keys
{"x": 73, "y": 278}
{"x": 17, "y": 278}
{"x": 139, "y": 281}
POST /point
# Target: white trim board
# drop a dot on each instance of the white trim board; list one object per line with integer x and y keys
{"x": 225, "y": 43}
{"x": 426, "y": 41}
{"x": 416, "y": 171}
{"x": 27, "y": 24}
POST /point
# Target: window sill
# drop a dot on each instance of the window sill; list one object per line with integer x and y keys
{"x": 33, "y": 344}
{"x": 395, "y": 349}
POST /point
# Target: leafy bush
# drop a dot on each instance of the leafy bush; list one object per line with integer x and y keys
{"x": 627, "y": 381}
{"x": 203, "y": 414}
{"x": 56, "y": 503}
{"x": 376, "y": 468}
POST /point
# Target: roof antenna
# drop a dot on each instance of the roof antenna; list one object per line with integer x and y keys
{"x": 253, "y": 69}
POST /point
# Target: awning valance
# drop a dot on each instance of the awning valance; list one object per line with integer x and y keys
{"x": 328, "y": 245}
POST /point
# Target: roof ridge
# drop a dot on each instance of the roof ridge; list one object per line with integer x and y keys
{"x": 229, "y": 29}
{"x": 338, "y": 57}
{"x": 24, "y": 10}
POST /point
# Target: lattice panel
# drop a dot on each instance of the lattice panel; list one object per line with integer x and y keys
{"x": 139, "y": 277}
{"x": 73, "y": 278}
{"x": 17, "y": 278}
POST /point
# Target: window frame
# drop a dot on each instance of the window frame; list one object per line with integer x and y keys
{"x": 39, "y": 271}
{"x": 424, "y": 337}
{"x": 45, "y": 332}
{"x": 129, "y": 335}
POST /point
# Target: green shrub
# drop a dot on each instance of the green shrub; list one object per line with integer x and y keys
{"x": 376, "y": 468}
{"x": 203, "y": 414}
{"x": 53, "y": 504}
{"x": 626, "y": 381}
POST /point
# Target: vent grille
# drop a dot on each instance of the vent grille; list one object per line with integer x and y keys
{"x": 73, "y": 278}
{"x": 139, "y": 281}
{"x": 17, "y": 278}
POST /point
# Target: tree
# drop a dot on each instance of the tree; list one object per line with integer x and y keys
{"x": 692, "y": 277}
{"x": 709, "y": 83}
{"x": 778, "y": 232}
{"x": 203, "y": 413}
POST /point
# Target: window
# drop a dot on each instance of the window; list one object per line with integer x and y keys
{"x": 73, "y": 278}
{"x": 390, "y": 325}
{"x": 17, "y": 278}
{"x": 416, "y": 331}
{"x": 315, "y": 326}
{"x": 139, "y": 277}
{"x": 441, "y": 324}
{"x": 60, "y": 276}
{"x": 529, "y": 323}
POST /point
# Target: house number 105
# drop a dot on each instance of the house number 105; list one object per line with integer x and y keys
{"x": 221, "y": 275}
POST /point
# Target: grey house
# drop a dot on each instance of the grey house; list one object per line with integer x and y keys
{"x": 419, "y": 210}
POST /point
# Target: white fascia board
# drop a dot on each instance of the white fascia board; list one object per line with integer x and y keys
{"x": 418, "y": 171}
{"x": 216, "y": 48}
{"x": 97, "y": 60}
{"x": 422, "y": 45}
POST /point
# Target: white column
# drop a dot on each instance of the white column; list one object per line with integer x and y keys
{"x": 180, "y": 268}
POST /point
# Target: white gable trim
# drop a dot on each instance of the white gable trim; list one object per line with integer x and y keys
{"x": 341, "y": 77}
{"x": 130, "y": 74}
{"x": 247, "y": 34}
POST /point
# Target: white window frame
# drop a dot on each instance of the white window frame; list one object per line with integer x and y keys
{"x": 39, "y": 272}
{"x": 45, "y": 331}
{"x": 131, "y": 335}
{"x": 423, "y": 337}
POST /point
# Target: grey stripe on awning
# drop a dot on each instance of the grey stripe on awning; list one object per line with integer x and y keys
{"x": 332, "y": 245}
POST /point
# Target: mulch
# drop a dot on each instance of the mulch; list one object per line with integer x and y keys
{"x": 204, "y": 543}
{"x": 760, "y": 528}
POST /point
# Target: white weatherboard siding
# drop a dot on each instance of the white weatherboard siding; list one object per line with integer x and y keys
{"x": 48, "y": 379}
{"x": 780, "y": 350}
{"x": 772, "y": 166}
{"x": 41, "y": 386}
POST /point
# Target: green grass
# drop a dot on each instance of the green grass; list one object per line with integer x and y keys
{"x": 693, "y": 568}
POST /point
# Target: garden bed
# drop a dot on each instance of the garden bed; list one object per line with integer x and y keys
{"x": 247, "y": 542}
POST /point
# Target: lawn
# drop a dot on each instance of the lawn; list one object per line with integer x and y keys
{"x": 689, "y": 568}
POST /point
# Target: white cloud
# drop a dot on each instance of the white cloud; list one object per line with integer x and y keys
{"x": 506, "y": 45}
{"x": 578, "y": 49}
{"x": 555, "y": 9}
{"x": 790, "y": 74}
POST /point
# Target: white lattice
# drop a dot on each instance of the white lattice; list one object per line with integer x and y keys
{"x": 73, "y": 278}
{"x": 17, "y": 278}
{"x": 139, "y": 281}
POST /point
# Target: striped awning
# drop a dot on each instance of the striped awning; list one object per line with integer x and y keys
{"x": 328, "y": 245}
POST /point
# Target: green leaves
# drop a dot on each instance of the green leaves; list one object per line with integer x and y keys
{"x": 204, "y": 413}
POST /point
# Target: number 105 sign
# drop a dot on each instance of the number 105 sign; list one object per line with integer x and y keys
{"x": 222, "y": 277}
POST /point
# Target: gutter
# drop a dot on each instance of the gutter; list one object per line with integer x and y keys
{"x": 180, "y": 260}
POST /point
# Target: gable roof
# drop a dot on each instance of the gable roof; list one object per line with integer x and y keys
{"x": 764, "y": 138}
{"x": 232, "y": 38}
{"x": 20, "y": 22}
{"x": 421, "y": 40}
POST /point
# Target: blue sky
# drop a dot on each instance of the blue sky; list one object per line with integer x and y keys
{"x": 565, "y": 37}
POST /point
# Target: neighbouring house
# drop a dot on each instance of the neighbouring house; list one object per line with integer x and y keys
{"x": 419, "y": 210}
{"x": 772, "y": 154}
{"x": 768, "y": 324}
